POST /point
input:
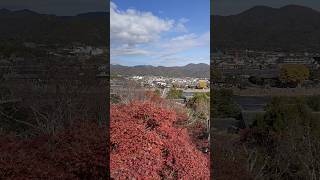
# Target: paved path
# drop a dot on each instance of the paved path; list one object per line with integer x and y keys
{"x": 195, "y": 90}
{"x": 165, "y": 92}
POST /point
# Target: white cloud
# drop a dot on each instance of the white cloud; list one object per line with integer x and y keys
{"x": 165, "y": 48}
{"x": 134, "y": 27}
{"x": 184, "y": 20}
{"x": 129, "y": 52}
{"x": 180, "y": 26}
{"x": 185, "y": 42}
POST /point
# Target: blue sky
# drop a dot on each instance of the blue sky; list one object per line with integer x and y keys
{"x": 160, "y": 32}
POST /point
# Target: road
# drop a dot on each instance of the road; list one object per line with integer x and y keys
{"x": 165, "y": 92}
{"x": 194, "y": 90}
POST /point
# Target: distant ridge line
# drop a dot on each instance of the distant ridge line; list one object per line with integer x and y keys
{"x": 289, "y": 28}
{"x": 200, "y": 70}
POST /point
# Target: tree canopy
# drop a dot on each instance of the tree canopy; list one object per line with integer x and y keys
{"x": 202, "y": 84}
{"x": 294, "y": 73}
{"x": 175, "y": 94}
{"x": 224, "y": 104}
{"x": 145, "y": 143}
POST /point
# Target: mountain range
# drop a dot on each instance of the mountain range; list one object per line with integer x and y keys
{"x": 289, "y": 28}
{"x": 191, "y": 70}
{"x": 25, "y": 25}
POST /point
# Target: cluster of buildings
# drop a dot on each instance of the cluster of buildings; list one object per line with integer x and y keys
{"x": 258, "y": 60}
{"x": 121, "y": 86}
{"x": 76, "y": 49}
{"x": 166, "y": 82}
{"x": 244, "y": 64}
{"x": 50, "y": 63}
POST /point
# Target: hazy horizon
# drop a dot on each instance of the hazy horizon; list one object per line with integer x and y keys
{"x": 113, "y": 64}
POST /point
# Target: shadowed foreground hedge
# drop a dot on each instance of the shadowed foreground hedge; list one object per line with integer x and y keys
{"x": 78, "y": 153}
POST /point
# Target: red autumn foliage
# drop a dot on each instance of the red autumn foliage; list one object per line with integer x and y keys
{"x": 77, "y": 153}
{"x": 153, "y": 97}
{"x": 229, "y": 160}
{"x": 145, "y": 144}
{"x": 198, "y": 135}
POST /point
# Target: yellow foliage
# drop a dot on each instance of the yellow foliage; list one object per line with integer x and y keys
{"x": 202, "y": 84}
{"x": 294, "y": 73}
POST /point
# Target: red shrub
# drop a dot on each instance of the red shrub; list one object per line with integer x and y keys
{"x": 78, "y": 153}
{"x": 199, "y": 136}
{"x": 229, "y": 160}
{"x": 153, "y": 97}
{"x": 146, "y": 145}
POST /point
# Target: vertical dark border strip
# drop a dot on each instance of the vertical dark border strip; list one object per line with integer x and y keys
{"x": 211, "y": 92}
{"x": 108, "y": 96}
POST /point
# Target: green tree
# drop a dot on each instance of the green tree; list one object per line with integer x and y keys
{"x": 286, "y": 139}
{"x": 284, "y": 112}
{"x": 175, "y": 94}
{"x": 157, "y": 92}
{"x": 200, "y": 107}
{"x": 224, "y": 104}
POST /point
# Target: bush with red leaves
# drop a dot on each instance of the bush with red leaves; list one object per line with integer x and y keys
{"x": 77, "y": 153}
{"x": 229, "y": 160}
{"x": 199, "y": 136}
{"x": 145, "y": 144}
{"x": 155, "y": 98}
